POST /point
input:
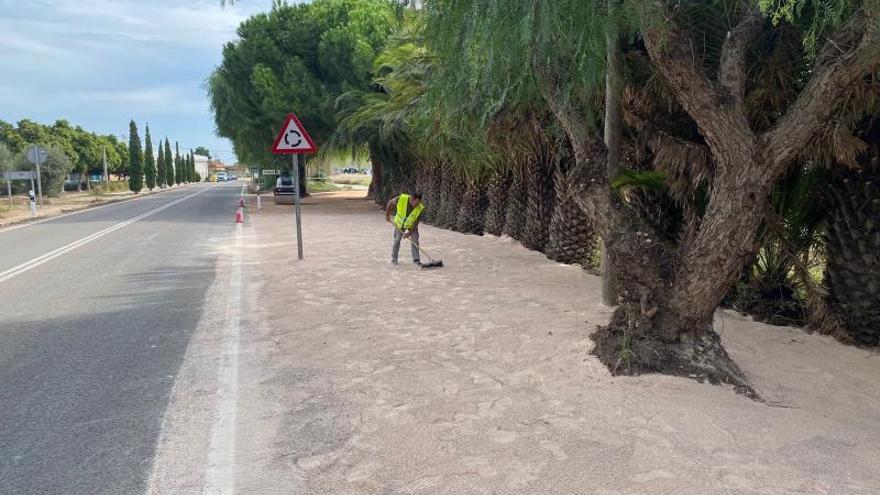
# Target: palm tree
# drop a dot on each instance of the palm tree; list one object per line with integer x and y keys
{"x": 705, "y": 53}
{"x": 852, "y": 241}
{"x": 497, "y": 188}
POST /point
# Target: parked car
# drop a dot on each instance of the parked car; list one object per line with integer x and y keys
{"x": 283, "y": 192}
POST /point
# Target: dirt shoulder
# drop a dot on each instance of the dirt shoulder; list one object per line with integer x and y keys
{"x": 477, "y": 378}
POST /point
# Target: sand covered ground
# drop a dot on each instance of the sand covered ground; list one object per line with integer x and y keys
{"x": 477, "y": 378}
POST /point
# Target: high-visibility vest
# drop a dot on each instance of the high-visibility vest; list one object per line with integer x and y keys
{"x": 401, "y": 220}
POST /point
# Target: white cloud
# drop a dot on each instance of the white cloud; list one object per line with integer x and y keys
{"x": 11, "y": 41}
{"x": 99, "y": 63}
{"x": 198, "y": 23}
{"x": 160, "y": 100}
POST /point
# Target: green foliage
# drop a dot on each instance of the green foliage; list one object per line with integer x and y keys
{"x": 817, "y": 18}
{"x": 160, "y": 166}
{"x": 110, "y": 187}
{"x": 191, "y": 167}
{"x": 514, "y": 54}
{"x": 201, "y": 150}
{"x": 135, "y": 159}
{"x": 149, "y": 161}
{"x": 399, "y": 124}
{"x": 778, "y": 283}
{"x": 53, "y": 169}
{"x": 169, "y": 165}
{"x": 178, "y": 165}
{"x": 84, "y": 150}
{"x": 295, "y": 58}
{"x": 648, "y": 179}
{"x": 6, "y": 158}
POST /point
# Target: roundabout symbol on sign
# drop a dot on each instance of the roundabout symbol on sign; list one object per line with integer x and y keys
{"x": 287, "y": 139}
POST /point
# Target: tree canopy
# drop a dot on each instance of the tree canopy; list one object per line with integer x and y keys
{"x": 201, "y": 150}
{"x": 295, "y": 58}
{"x": 83, "y": 149}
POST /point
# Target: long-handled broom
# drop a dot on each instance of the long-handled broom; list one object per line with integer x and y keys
{"x": 432, "y": 263}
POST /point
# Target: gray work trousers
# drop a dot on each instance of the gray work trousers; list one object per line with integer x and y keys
{"x": 395, "y": 248}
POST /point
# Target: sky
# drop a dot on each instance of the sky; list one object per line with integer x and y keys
{"x": 101, "y": 63}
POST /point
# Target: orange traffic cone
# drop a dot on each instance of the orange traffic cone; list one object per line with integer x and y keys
{"x": 239, "y": 217}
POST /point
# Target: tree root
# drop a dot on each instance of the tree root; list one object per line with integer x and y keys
{"x": 698, "y": 356}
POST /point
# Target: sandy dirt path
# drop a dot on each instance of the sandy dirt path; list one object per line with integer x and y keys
{"x": 476, "y": 378}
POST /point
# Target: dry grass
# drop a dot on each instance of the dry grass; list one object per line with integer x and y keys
{"x": 351, "y": 179}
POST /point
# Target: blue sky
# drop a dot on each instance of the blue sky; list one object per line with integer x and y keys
{"x": 100, "y": 63}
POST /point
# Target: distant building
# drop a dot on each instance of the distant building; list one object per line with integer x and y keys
{"x": 202, "y": 165}
{"x": 216, "y": 166}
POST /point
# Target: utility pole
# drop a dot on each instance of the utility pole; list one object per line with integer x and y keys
{"x": 9, "y": 186}
{"x": 39, "y": 180}
{"x": 34, "y": 155}
{"x": 613, "y": 133}
{"x": 104, "y": 152}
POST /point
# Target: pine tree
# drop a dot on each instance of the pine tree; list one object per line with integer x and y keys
{"x": 160, "y": 166}
{"x": 178, "y": 165}
{"x": 149, "y": 161}
{"x": 169, "y": 167}
{"x": 135, "y": 159}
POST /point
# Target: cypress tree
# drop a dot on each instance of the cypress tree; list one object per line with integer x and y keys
{"x": 149, "y": 161}
{"x": 192, "y": 166}
{"x": 169, "y": 167}
{"x": 178, "y": 164}
{"x": 135, "y": 159}
{"x": 160, "y": 166}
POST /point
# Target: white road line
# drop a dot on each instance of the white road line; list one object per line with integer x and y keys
{"x": 220, "y": 472}
{"x": 84, "y": 210}
{"x": 51, "y": 255}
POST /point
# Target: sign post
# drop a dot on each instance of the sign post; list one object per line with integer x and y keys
{"x": 294, "y": 140}
{"x": 296, "y": 201}
{"x": 37, "y": 155}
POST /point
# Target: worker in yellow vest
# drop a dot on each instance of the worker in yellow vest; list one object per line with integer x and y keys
{"x": 406, "y": 211}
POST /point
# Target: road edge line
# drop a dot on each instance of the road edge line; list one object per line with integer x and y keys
{"x": 51, "y": 255}
{"x": 28, "y": 222}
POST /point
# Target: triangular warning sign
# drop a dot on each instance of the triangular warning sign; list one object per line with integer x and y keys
{"x": 293, "y": 138}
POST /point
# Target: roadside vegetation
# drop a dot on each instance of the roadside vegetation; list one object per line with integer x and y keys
{"x": 75, "y": 150}
{"x": 698, "y": 154}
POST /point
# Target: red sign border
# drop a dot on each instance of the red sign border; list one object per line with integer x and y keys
{"x": 275, "y": 150}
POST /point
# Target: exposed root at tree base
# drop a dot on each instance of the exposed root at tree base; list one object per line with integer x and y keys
{"x": 701, "y": 358}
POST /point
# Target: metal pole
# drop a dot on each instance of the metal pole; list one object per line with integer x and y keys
{"x": 31, "y": 201}
{"x": 106, "y": 177}
{"x": 39, "y": 181}
{"x": 296, "y": 200}
{"x": 9, "y": 187}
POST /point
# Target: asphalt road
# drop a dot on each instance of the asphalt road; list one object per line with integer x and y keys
{"x": 92, "y": 337}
